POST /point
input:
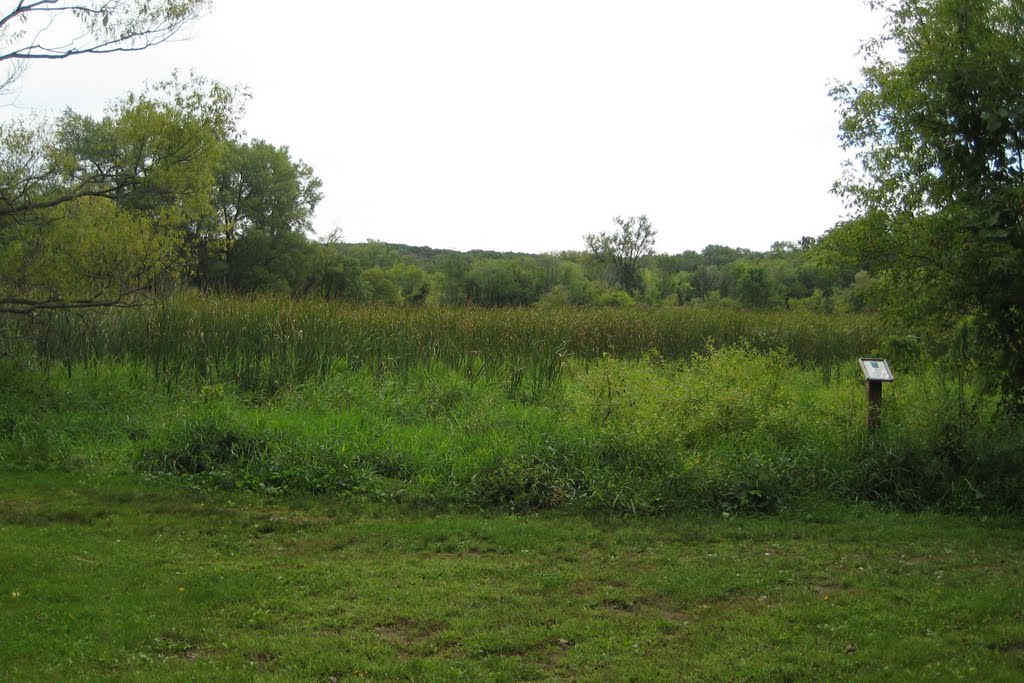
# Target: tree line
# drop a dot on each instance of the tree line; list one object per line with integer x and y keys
{"x": 789, "y": 275}
{"x": 162, "y": 191}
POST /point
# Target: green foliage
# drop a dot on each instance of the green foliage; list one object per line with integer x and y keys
{"x": 261, "y": 261}
{"x": 260, "y": 187}
{"x": 723, "y": 420}
{"x": 230, "y": 453}
{"x": 785, "y": 273}
{"x": 185, "y": 198}
{"x": 414, "y": 284}
{"x": 502, "y": 282}
{"x": 571, "y": 287}
{"x": 91, "y": 250}
{"x": 381, "y": 289}
{"x": 73, "y": 191}
{"x": 206, "y": 445}
{"x": 615, "y": 298}
{"x": 937, "y": 126}
{"x": 270, "y": 342}
{"x": 757, "y": 288}
{"x": 624, "y": 250}
{"x": 862, "y": 293}
{"x": 254, "y": 239}
{"x": 291, "y": 404}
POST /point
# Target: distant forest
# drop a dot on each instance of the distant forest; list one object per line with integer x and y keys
{"x": 789, "y": 275}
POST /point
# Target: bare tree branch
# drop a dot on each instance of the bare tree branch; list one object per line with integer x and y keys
{"x": 26, "y": 306}
{"x": 61, "y": 29}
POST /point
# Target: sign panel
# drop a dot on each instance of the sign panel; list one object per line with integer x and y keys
{"x": 876, "y": 370}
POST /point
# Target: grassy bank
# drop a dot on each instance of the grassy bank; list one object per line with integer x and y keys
{"x": 733, "y": 430}
{"x": 119, "y": 579}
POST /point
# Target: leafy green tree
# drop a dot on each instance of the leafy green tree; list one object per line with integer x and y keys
{"x": 705, "y": 280}
{"x": 335, "y": 275}
{"x": 152, "y": 150}
{"x": 148, "y": 162}
{"x": 263, "y": 262}
{"x": 680, "y": 287}
{"x": 653, "y": 287}
{"x": 505, "y": 282}
{"x": 259, "y": 186}
{"x": 264, "y": 204}
{"x": 861, "y": 293}
{"x": 624, "y": 249}
{"x": 48, "y": 187}
{"x": 381, "y": 289}
{"x": 718, "y": 255}
{"x": 86, "y": 253}
{"x": 938, "y": 195}
{"x": 615, "y": 298}
{"x": 451, "y": 277}
{"x": 412, "y": 281}
{"x": 373, "y": 253}
{"x": 756, "y": 288}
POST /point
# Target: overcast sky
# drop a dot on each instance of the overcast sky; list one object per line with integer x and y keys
{"x": 521, "y": 126}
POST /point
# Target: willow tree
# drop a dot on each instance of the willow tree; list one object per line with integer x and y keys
{"x": 47, "y": 30}
{"x": 95, "y": 211}
{"x": 624, "y": 249}
{"x": 86, "y": 205}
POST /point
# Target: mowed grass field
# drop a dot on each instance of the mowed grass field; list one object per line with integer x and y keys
{"x": 118, "y": 579}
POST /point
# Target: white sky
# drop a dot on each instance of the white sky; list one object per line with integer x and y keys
{"x": 520, "y": 126}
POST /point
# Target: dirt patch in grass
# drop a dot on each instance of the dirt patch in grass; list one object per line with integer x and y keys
{"x": 673, "y": 615}
{"x": 1015, "y": 647}
{"x": 262, "y": 660}
{"x": 36, "y": 516}
{"x": 620, "y": 604}
{"x": 173, "y": 647}
{"x": 409, "y": 634}
{"x": 827, "y": 592}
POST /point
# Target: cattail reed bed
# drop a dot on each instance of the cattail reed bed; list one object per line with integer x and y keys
{"x": 272, "y": 342}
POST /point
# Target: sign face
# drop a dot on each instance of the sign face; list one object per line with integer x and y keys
{"x": 876, "y": 370}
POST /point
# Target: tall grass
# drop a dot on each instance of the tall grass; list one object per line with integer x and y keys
{"x": 627, "y": 409}
{"x": 735, "y": 429}
{"x": 264, "y": 344}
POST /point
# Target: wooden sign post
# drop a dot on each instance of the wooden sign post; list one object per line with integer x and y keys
{"x": 876, "y": 371}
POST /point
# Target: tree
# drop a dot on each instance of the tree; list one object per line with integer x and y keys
{"x": 91, "y": 254}
{"x": 504, "y": 282}
{"x": 756, "y": 287}
{"x": 381, "y": 290}
{"x": 36, "y": 30}
{"x": 412, "y": 281}
{"x": 937, "y": 198}
{"x": 258, "y": 189}
{"x": 263, "y": 262}
{"x": 259, "y": 186}
{"x": 624, "y": 249}
{"x": 49, "y": 182}
{"x": 145, "y": 170}
{"x": 126, "y": 156}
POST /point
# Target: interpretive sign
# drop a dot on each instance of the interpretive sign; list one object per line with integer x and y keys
{"x": 876, "y": 370}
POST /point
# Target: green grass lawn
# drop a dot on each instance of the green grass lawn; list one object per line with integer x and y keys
{"x": 122, "y": 578}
